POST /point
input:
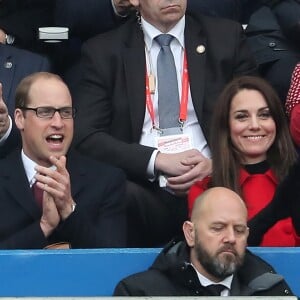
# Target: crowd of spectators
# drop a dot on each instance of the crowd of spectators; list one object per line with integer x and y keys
{"x": 230, "y": 132}
{"x": 104, "y": 130}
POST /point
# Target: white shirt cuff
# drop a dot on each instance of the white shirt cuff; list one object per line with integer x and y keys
{"x": 150, "y": 168}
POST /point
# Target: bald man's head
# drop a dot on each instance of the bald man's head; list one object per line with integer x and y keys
{"x": 216, "y": 197}
{"x": 217, "y": 233}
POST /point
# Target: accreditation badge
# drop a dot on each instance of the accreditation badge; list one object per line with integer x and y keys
{"x": 172, "y": 144}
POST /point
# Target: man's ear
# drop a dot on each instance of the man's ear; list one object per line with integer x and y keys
{"x": 247, "y": 233}
{"x": 189, "y": 233}
{"x": 19, "y": 118}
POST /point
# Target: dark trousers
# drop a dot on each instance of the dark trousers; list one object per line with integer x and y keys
{"x": 154, "y": 215}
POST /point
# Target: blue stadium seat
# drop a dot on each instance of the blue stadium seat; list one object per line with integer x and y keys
{"x": 95, "y": 272}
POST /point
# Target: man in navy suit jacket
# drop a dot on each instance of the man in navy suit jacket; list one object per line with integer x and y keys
{"x": 81, "y": 199}
{"x": 15, "y": 64}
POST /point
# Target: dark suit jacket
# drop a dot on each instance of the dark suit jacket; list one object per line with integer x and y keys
{"x": 98, "y": 220}
{"x": 275, "y": 53}
{"x": 111, "y": 97}
{"x": 85, "y": 18}
{"x": 15, "y": 64}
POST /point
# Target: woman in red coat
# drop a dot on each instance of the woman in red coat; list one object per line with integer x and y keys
{"x": 252, "y": 151}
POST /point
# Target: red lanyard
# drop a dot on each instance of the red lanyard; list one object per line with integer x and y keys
{"x": 184, "y": 95}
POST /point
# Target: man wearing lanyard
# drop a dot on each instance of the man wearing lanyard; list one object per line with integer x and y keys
{"x": 118, "y": 99}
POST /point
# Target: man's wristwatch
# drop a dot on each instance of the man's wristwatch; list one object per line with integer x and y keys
{"x": 9, "y": 39}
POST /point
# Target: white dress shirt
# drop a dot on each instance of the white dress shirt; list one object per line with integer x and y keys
{"x": 29, "y": 166}
{"x": 226, "y": 282}
{"x": 191, "y": 126}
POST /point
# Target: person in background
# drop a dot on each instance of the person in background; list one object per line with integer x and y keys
{"x": 22, "y": 53}
{"x": 15, "y": 64}
{"x": 120, "y": 85}
{"x": 20, "y": 20}
{"x": 292, "y": 105}
{"x": 212, "y": 260}
{"x": 49, "y": 194}
{"x": 85, "y": 18}
{"x": 273, "y": 35}
{"x": 252, "y": 151}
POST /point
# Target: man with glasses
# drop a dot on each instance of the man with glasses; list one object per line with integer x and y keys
{"x": 48, "y": 193}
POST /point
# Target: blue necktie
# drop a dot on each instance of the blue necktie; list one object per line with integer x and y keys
{"x": 168, "y": 97}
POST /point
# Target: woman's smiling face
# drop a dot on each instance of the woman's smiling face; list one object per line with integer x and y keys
{"x": 252, "y": 128}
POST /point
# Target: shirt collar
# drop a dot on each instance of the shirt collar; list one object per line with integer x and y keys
{"x": 150, "y": 32}
{"x": 205, "y": 281}
{"x": 29, "y": 166}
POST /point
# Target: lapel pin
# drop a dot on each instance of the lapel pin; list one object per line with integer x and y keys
{"x": 8, "y": 65}
{"x": 200, "y": 49}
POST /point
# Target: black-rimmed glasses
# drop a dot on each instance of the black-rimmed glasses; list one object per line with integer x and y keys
{"x": 47, "y": 112}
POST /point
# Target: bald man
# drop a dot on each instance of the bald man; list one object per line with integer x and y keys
{"x": 217, "y": 233}
{"x": 213, "y": 260}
